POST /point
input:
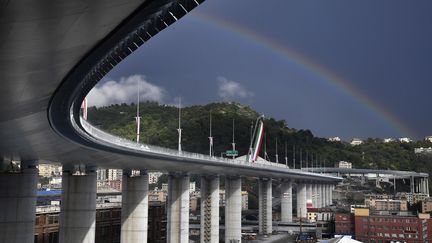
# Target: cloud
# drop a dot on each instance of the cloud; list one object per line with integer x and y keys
{"x": 125, "y": 91}
{"x": 230, "y": 89}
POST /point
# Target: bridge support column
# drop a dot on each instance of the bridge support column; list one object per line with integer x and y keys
{"x": 210, "y": 209}
{"x": 314, "y": 196}
{"x": 318, "y": 196}
{"x": 301, "y": 200}
{"x": 134, "y": 214}
{"x": 233, "y": 209}
{"x": 265, "y": 206}
{"x": 412, "y": 185}
{"x": 18, "y": 203}
{"x": 178, "y": 209}
{"x": 308, "y": 193}
{"x": 78, "y": 206}
{"x": 286, "y": 201}
{"x": 324, "y": 195}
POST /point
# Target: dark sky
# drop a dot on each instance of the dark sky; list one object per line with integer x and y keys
{"x": 237, "y": 50}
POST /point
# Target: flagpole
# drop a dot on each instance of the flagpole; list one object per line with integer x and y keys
{"x": 211, "y": 137}
{"x": 233, "y": 138}
{"x": 138, "y": 118}
{"x": 179, "y": 128}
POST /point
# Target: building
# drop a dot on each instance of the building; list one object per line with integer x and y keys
{"x": 245, "y": 200}
{"x": 108, "y": 223}
{"x": 154, "y": 177}
{"x": 193, "y": 204}
{"x": 391, "y": 227}
{"x": 428, "y": 138}
{"x": 115, "y": 184}
{"x": 49, "y": 170}
{"x": 101, "y": 174}
{"x": 427, "y": 205}
{"x": 334, "y": 139}
{"x": 192, "y": 186}
{"x": 422, "y": 150}
{"x": 157, "y": 196}
{"x": 388, "y": 140}
{"x": 356, "y": 141}
{"x": 114, "y": 174}
{"x": 405, "y": 140}
{"x": 387, "y": 204}
{"x": 343, "y": 164}
{"x": 344, "y": 224}
{"x": 319, "y": 215}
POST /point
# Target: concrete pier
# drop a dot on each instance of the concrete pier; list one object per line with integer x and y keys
{"x": 318, "y": 195}
{"x": 178, "y": 209}
{"x": 134, "y": 214}
{"x": 314, "y": 196}
{"x": 265, "y": 206}
{"x": 286, "y": 201}
{"x": 323, "y": 196}
{"x": 233, "y": 209}
{"x": 308, "y": 192}
{"x": 78, "y": 206}
{"x": 18, "y": 204}
{"x": 301, "y": 200}
{"x": 210, "y": 209}
{"x": 331, "y": 187}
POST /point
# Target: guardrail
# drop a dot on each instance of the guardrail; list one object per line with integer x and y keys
{"x": 125, "y": 143}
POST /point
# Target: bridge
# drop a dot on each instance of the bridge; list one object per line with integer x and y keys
{"x": 52, "y": 54}
{"x": 419, "y": 182}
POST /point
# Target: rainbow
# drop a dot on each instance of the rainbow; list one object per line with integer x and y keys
{"x": 310, "y": 66}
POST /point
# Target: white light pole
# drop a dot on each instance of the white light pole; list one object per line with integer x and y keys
{"x": 233, "y": 140}
{"x": 138, "y": 118}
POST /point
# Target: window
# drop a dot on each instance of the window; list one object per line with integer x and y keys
{"x": 52, "y": 219}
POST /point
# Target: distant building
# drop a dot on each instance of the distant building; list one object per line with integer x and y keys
{"x": 405, "y": 140}
{"x": 334, "y": 139}
{"x": 319, "y": 215}
{"x": 114, "y": 174}
{"x": 157, "y": 196}
{"x": 193, "y": 204}
{"x": 165, "y": 187}
{"x": 387, "y": 204}
{"x": 343, "y": 164}
{"x": 48, "y": 170}
{"x": 344, "y": 224}
{"x": 192, "y": 186}
{"x": 427, "y": 205}
{"x": 422, "y": 150}
{"x": 391, "y": 227}
{"x": 428, "y": 138}
{"x": 245, "y": 200}
{"x": 356, "y": 141}
{"x": 388, "y": 140}
{"x": 154, "y": 177}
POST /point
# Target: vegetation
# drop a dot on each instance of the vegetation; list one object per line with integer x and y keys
{"x": 159, "y": 124}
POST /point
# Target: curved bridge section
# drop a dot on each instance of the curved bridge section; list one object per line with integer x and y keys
{"x": 52, "y": 53}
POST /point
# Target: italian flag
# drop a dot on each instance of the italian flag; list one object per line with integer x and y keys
{"x": 258, "y": 141}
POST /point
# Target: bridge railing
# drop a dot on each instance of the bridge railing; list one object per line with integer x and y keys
{"x": 126, "y": 143}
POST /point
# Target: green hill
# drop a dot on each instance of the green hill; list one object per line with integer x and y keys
{"x": 159, "y": 124}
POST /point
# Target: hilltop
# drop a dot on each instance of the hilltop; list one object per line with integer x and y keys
{"x": 159, "y": 124}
